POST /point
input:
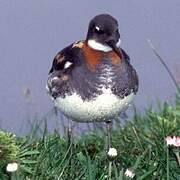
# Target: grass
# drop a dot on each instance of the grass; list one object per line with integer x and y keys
{"x": 140, "y": 144}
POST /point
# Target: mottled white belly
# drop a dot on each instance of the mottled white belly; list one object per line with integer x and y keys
{"x": 105, "y": 106}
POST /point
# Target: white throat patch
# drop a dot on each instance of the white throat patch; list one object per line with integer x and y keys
{"x": 101, "y": 47}
{"x": 98, "y": 46}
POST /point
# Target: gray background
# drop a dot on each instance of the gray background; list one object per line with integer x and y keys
{"x": 32, "y": 32}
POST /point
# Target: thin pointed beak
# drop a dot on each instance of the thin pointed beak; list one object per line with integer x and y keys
{"x": 112, "y": 44}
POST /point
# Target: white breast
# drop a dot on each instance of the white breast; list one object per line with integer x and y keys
{"x": 105, "y": 106}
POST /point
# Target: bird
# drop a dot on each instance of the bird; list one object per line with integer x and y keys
{"x": 92, "y": 80}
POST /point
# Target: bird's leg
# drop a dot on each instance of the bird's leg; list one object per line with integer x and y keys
{"x": 108, "y": 145}
{"x": 69, "y": 133}
{"x": 108, "y": 131}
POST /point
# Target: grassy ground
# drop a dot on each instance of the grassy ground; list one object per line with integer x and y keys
{"x": 140, "y": 144}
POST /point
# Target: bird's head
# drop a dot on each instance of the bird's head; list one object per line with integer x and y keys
{"x": 103, "y": 33}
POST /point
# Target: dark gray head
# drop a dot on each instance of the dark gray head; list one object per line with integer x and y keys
{"x": 103, "y": 29}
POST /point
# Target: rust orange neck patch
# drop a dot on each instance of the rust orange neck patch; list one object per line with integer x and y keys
{"x": 94, "y": 57}
{"x": 115, "y": 59}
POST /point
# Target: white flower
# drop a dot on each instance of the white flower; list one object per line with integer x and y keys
{"x": 129, "y": 173}
{"x": 12, "y": 167}
{"x": 170, "y": 141}
{"x": 13, "y": 135}
{"x": 112, "y": 153}
{"x": 177, "y": 141}
{"x": 173, "y": 141}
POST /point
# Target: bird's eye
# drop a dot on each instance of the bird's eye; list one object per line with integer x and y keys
{"x": 98, "y": 30}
